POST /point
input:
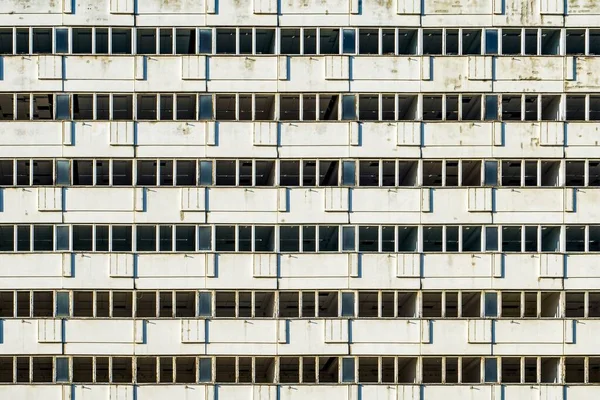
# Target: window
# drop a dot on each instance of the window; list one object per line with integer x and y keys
{"x": 349, "y": 41}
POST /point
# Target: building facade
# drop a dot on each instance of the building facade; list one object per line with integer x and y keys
{"x": 299, "y": 199}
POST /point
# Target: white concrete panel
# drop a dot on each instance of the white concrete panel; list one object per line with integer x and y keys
{"x": 389, "y": 331}
{"x": 381, "y": 271}
{"x": 20, "y": 336}
{"x": 308, "y": 73}
{"x": 22, "y": 204}
{"x": 171, "y": 7}
{"x": 463, "y": 265}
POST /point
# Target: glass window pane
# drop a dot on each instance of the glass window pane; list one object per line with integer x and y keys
{"x": 347, "y": 304}
{"x": 205, "y": 41}
{"x": 62, "y": 238}
{"x": 348, "y": 238}
{"x": 63, "y": 109}
{"x": 347, "y": 370}
{"x": 348, "y": 173}
{"x": 62, "y": 40}
{"x": 205, "y": 370}
{"x": 145, "y": 238}
{"x": 206, "y": 107}
{"x": 204, "y": 238}
{"x": 63, "y": 172}
{"x": 491, "y": 173}
{"x": 348, "y": 107}
{"x": 205, "y": 304}
{"x": 491, "y": 304}
{"x": 491, "y": 107}
{"x": 349, "y": 41}
{"x": 491, "y": 41}
{"x": 205, "y": 173}
{"x": 62, "y": 304}
{"x": 491, "y": 370}
{"x": 62, "y": 369}
{"x": 491, "y": 238}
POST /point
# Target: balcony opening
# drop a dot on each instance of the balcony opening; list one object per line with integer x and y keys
{"x": 574, "y": 173}
{"x": 594, "y": 173}
{"x": 290, "y": 41}
{"x": 43, "y": 304}
{"x": 289, "y": 107}
{"x": 185, "y": 370}
{"x": 264, "y": 370}
{"x": 186, "y": 173}
{"x": 432, "y": 42}
{"x": 511, "y": 108}
{"x": 83, "y": 371}
{"x": 550, "y": 238}
{"x": 368, "y": 238}
{"x": 550, "y": 370}
{"x": 432, "y": 370}
{"x": 310, "y": 41}
{"x": 432, "y": 305}
{"x": 288, "y": 305}
{"x": 328, "y": 173}
{"x": 83, "y": 107}
{"x": 594, "y": 370}
{"x": 387, "y": 305}
{"x": 245, "y": 107}
{"x": 408, "y": 108}
{"x": 245, "y": 172}
{"x": 186, "y": 107}
{"x": 146, "y": 107}
{"x": 265, "y": 173}
{"x": 166, "y": 107}
{"x": 550, "y": 305}
{"x": 225, "y": 304}
{"x": 185, "y": 238}
{"x": 408, "y": 41}
{"x": 145, "y": 305}
{"x": 42, "y": 41}
{"x": 388, "y": 40}
{"x": 289, "y": 173}
{"x": 451, "y": 108}
{"x": 471, "y": 108}
{"x": 451, "y": 239}
{"x": 407, "y": 172}
{"x": 185, "y": 41}
{"x": 471, "y": 240}
{"x": 146, "y": 370}
{"x": 146, "y": 173}
{"x": 471, "y": 41}
{"x": 432, "y": 108}
{"x": 471, "y": 370}
{"x": 42, "y": 369}
{"x": 23, "y": 370}
{"x": 575, "y": 42}
{"x": 225, "y": 370}
{"x": 122, "y": 370}
{"x": 531, "y": 108}
{"x": 531, "y": 176}
{"x": 7, "y": 103}
{"x": 408, "y": 368}
{"x": 451, "y": 41}
{"x": 368, "y": 107}
{"x": 511, "y": 41}
{"x": 471, "y": 173}
{"x": 531, "y": 239}
{"x": 226, "y": 107}
{"x": 122, "y": 107}
{"x": 329, "y": 41}
{"x": 574, "y": 305}
{"x": 551, "y": 108}
{"x": 121, "y": 41}
{"x": 6, "y": 41}
{"x": 225, "y": 172}
{"x": 22, "y": 41}
{"x": 511, "y": 173}
{"x": 407, "y": 305}
{"x": 308, "y": 305}
{"x": 146, "y": 41}
{"x": 165, "y": 309}
{"x": 6, "y": 174}
{"x": 102, "y": 375}
{"x": 82, "y": 40}
{"x": 328, "y": 304}
{"x": 225, "y": 238}
{"x": 165, "y": 369}
{"x": 264, "y": 107}
{"x": 451, "y": 310}
{"x": 122, "y": 305}
{"x": 83, "y": 304}
{"x": 185, "y": 304}
{"x": 511, "y": 305}
{"x": 309, "y": 107}
{"x": 368, "y": 173}
{"x": 594, "y": 304}
{"x": 471, "y": 304}
{"x": 328, "y": 107}
{"x": 575, "y": 238}
{"x": 451, "y": 173}
{"x": 408, "y": 239}
{"x": 530, "y": 305}
{"x": 102, "y": 305}
{"x": 264, "y": 304}
{"x": 594, "y": 42}
{"x": 264, "y": 238}
{"x": 289, "y": 370}
{"x": 309, "y": 372}
{"x": 23, "y": 301}
{"x": 265, "y": 41}
{"x": 7, "y": 304}
{"x": 575, "y": 108}
{"x": 23, "y": 107}
{"x": 550, "y": 173}
{"x": 388, "y": 172}
{"x": 432, "y": 173}
{"x": 166, "y": 173}
{"x": 328, "y": 369}
{"x": 368, "y": 370}
{"x": 166, "y": 41}
{"x": 367, "y": 304}
{"x": 550, "y": 41}
{"x": 368, "y": 41}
